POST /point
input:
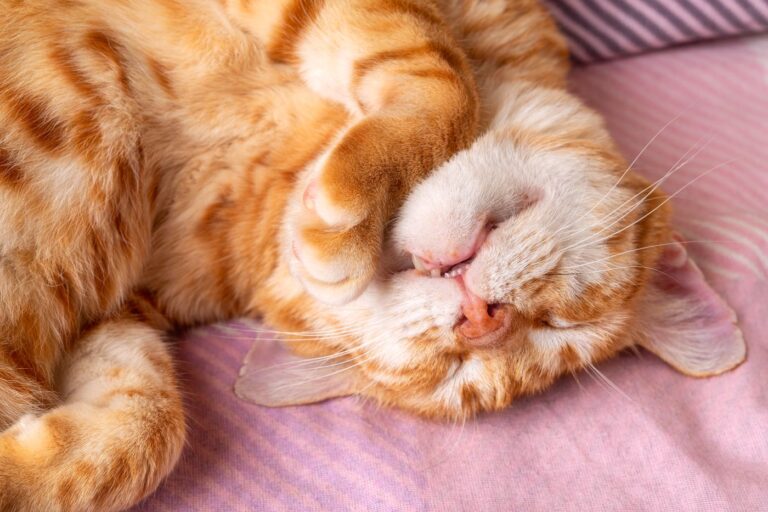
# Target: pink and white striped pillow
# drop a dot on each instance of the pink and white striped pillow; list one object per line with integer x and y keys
{"x": 604, "y": 29}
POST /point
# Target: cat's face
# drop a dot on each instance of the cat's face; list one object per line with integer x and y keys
{"x": 525, "y": 268}
{"x": 519, "y": 260}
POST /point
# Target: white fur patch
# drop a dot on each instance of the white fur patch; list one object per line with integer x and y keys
{"x": 449, "y": 391}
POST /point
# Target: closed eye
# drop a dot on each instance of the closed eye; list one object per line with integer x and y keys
{"x": 550, "y": 320}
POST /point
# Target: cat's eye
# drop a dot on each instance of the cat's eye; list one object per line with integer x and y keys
{"x": 554, "y": 322}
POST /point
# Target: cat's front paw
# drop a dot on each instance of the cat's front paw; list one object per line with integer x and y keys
{"x": 336, "y": 229}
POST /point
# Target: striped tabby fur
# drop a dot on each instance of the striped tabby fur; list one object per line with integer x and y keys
{"x": 165, "y": 163}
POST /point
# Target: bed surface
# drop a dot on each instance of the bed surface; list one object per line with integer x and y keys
{"x": 650, "y": 439}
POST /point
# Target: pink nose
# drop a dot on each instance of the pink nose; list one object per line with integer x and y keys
{"x": 482, "y": 326}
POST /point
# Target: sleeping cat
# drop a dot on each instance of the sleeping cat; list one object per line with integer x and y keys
{"x": 404, "y": 188}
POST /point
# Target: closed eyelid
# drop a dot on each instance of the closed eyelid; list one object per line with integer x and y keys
{"x": 559, "y": 323}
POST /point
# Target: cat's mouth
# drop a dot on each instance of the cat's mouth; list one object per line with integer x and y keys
{"x": 456, "y": 262}
{"x": 450, "y": 271}
{"x": 480, "y": 324}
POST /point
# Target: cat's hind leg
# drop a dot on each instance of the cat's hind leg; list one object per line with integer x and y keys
{"x": 117, "y": 432}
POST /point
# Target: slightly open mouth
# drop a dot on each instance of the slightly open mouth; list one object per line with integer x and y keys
{"x": 452, "y": 271}
{"x": 480, "y": 323}
{"x": 458, "y": 269}
{"x": 456, "y": 263}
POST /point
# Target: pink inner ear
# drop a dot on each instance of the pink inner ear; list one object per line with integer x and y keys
{"x": 685, "y": 321}
{"x": 677, "y": 274}
{"x": 273, "y": 376}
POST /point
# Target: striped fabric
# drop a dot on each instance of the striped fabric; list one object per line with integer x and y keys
{"x": 636, "y": 436}
{"x": 604, "y": 29}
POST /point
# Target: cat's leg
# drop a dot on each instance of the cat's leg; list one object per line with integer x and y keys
{"x": 117, "y": 432}
{"x": 74, "y": 209}
{"x": 410, "y": 91}
{"x": 65, "y": 262}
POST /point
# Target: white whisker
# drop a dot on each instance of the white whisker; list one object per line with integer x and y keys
{"x": 621, "y": 211}
{"x": 623, "y": 175}
{"x": 669, "y": 198}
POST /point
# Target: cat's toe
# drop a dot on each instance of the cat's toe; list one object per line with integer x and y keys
{"x": 337, "y": 226}
{"x": 335, "y": 265}
{"x": 336, "y": 213}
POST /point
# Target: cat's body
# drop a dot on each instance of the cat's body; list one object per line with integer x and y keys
{"x": 169, "y": 163}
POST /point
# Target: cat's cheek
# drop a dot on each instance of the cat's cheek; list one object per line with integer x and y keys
{"x": 437, "y": 299}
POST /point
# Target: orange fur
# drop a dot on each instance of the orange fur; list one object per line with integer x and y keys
{"x": 154, "y": 157}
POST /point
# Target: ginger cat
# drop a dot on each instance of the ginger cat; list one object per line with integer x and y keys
{"x": 167, "y": 163}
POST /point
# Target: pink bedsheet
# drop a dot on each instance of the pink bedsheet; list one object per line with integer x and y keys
{"x": 650, "y": 439}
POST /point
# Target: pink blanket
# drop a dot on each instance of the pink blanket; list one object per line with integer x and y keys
{"x": 606, "y": 29}
{"x": 637, "y": 436}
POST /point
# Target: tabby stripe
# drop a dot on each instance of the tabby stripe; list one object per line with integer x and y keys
{"x": 83, "y": 475}
{"x": 142, "y": 307}
{"x": 113, "y": 51}
{"x": 104, "y": 285}
{"x": 425, "y": 13}
{"x": 64, "y": 61}
{"x": 10, "y": 171}
{"x": 160, "y": 72}
{"x": 437, "y": 74}
{"x": 127, "y": 175}
{"x": 33, "y": 114}
{"x": 470, "y": 397}
{"x": 449, "y": 55}
{"x": 483, "y": 26}
{"x": 87, "y": 137}
{"x": 570, "y": 357}
{"x": 122, "y": 232}
{"x": 296, "y": 18}
{"x": 364, "y": 66}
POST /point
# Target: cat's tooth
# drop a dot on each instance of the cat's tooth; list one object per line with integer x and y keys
{"x": 435, "y": 272}
{"x": 418, "y": 264}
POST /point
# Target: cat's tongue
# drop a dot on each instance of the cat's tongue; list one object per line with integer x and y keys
{"x": 479, "y": 322}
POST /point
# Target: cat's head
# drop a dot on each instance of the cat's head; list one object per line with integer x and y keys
{"x": 533, "y": 257}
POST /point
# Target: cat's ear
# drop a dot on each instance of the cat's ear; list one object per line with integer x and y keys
{"x": 275, "y": 377}
{"x": 684, "y": 321}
